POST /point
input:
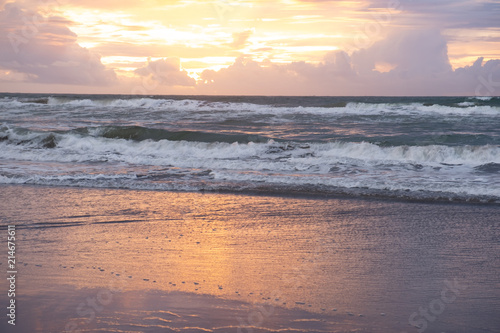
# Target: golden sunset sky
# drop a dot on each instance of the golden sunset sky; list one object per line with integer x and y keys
{"x": 249, "y": 47}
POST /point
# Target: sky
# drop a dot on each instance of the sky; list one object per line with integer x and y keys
{"x": 251, "y": 47}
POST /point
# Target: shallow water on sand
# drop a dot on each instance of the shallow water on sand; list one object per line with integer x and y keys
{"x": 312, "y": 264}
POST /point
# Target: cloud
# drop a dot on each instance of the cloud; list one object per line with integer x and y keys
{"x": 397, "y": 53}
{"x": 419, "y": 66}
{"x": 158, "y": 50}
{"x": 444, "y": 14}
{"x": 249, "y": 77}
{"x": 414, "y": 53}
{"x": 166, "y": 72}
{"x": 45, "y": 50}
{"x": 240, "y": 39}
{"x": 113, "y": 4}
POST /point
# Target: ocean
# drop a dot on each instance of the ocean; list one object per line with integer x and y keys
{"x": 418, "y": 148}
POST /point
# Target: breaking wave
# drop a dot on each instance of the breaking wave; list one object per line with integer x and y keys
{"x": 419, "y": 148}
{"x": 140, "y": 158}
{"x": 463, "y": 107}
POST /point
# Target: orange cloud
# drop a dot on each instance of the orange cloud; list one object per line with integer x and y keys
{"x": 166, "y": 72}
{"x": 341, "y": 74}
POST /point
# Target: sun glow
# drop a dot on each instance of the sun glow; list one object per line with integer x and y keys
{"x": 210, "y": 39}
{"x": 211, "y": 35}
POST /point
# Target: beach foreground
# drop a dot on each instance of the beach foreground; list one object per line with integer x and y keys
{"x": 108, "y": 260}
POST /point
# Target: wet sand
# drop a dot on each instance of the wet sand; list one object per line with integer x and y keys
{"x": 101, "y": 260}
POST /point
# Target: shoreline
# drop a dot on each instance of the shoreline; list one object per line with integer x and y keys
{"x": 299, "y": 193}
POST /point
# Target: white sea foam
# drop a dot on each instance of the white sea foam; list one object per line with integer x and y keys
{"x": 466, "y": 104}
{"x": 482, "y": 98}
{"x": 332, "y": 165}
{"x": 271, "y": 155}
{"x": 196, "y": 106}
{"x": 75, "y": 102}
{"x": 459, "y": 185}
{"x": 62, "y": 143}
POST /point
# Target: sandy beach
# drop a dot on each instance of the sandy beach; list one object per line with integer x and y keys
{"x": 103, "y": 260}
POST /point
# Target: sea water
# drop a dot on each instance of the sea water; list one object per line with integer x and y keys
{"x": 430, "y": 148}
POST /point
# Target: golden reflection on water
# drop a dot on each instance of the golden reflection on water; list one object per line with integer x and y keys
{"x": 243, "y": 247}
{"x": 315, "y": 254}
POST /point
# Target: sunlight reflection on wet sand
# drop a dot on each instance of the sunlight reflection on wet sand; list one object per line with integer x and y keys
{"x": 335, "y": 259}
